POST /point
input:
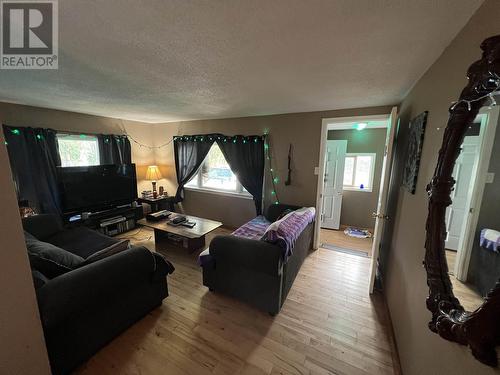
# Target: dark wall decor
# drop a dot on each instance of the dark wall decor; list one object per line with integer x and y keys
{"x": 288, "y": 180}
{"x": 415, "y": 143}
{"x": 480, "y": 329}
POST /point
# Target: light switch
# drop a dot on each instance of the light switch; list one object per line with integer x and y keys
{"x": 316, "y": 171}
{"x": 490, "y": 177}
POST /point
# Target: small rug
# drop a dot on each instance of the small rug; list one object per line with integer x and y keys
{"x": 357, "y": 232}
{"x": 359, "y": 253}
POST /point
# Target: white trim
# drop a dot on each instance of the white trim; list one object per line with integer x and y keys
{"x": 219, "y": 192}
{"x": 489, "y": 120}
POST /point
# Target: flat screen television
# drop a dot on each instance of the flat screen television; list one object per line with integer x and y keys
{"x": 97, "y": 188}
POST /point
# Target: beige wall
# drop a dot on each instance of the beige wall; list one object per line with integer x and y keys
{"x": 420, "y": 350}
{"x": 302, "y": 130}
{"x": 357, "y": 206}
{"x": 19, "y": 115}
{"x": 22, "y": 347}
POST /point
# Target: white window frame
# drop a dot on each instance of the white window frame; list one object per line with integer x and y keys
{"x": 372, "y": 171}
{"x": 79, "y": 137}
{"x": 239, "y": 192}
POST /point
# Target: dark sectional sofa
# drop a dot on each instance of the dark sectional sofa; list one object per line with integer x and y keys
{"x": 84, "y": 308}
{"x": 255, "y": 271}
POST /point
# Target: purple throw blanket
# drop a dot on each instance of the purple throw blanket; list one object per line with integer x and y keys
{"x": 254, "y": 229}
{"x": 490, "y": 239}
{"x": 284, "y": 232}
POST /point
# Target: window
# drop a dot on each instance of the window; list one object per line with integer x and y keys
{"x": 358, "y": 172}
{"x": 78, "y": 150}
{"x": 216, "y": 175}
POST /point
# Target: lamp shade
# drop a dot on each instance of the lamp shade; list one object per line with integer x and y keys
{"x": 153, "y": 173}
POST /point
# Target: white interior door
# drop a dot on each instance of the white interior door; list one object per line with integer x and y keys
{"x": 381, "y": 215}
{"x": 456, "y": 212}
{"x": 333, "y": 183}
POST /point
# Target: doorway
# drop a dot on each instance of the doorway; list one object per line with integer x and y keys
{"x": 353, "y": 177}
{"x": 470, "y": 264}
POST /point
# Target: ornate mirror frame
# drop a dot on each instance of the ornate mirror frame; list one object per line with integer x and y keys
{"x": 479, "y": 329}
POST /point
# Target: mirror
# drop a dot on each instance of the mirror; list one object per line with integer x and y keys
{"x": 462, "y": 258}
{"x": 472, "y": 243}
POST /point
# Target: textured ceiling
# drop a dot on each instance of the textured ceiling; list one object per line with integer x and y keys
{"x": 158, "y": 61}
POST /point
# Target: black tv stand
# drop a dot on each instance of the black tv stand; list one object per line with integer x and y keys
{"x": 111, "y": 221}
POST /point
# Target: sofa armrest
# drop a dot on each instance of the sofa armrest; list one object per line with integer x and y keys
{"x": 95, "y": 283}
{"x": 257, "y": 255}
{"x": 42, "y": 226}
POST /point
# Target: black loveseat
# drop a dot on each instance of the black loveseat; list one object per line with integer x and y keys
{"x": 253, "y": 270}
{"x": 85, "y": 308}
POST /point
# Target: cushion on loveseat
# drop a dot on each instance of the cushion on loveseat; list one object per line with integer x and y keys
{"x": 50, "y": 260}
{"x": 254, "y": 229}
{"x": 87, "y": 243}
{"x": 285, "y": 231}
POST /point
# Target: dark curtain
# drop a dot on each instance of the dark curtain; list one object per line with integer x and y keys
{"x": 34, "y": 158}
{"x": 114, "y": 149}
{"x": 245, "y": 156}
{"x": 189, "y": 153}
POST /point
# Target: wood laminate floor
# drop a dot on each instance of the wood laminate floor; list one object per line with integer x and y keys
{"x": 339, "y": 238}
{"x": 465, "y": 293}
{"x": 328, "y": 325}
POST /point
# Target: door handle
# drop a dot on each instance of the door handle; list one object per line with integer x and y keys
{"x": 380, "y": 216}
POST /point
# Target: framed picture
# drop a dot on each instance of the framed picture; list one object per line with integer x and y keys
{"x": 414, "y": 151}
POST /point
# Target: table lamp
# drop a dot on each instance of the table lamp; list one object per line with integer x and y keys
{"x": 153, "y": 174}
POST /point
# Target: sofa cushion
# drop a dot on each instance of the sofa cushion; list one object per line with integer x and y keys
{"x": 39, "y": 279}
{"x": 86, "y": 242}
{"x": 42, "y": 226}
{"x": 107, "y": 251}
{"x": 50, "y": 260}
{"x": 284, "y": 232}
{"x": 254, "y": 229}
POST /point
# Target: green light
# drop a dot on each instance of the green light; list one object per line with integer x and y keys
{"x": 234, "y": 140}
{"x": 83, "y": 136}
{"x": 272, "y": 170}
{"x": 273, "y": 192}
{"x": 276, "y": 202}
{"x": 360, "y": 126}
{"x": 275, "y": 180}
{"x": 16, "y": 131}
{"x": 244, "y": 141}
{"x": 6, "y": 143}
{"x": 266, "y": 146}
{"x": 225, "y": 139}
{"x": 39, "y": 136}
{"x": 256, "y": 140}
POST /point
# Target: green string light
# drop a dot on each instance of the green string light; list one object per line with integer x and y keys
{"x": 274, "y": 179}
{"x": 16, "y": 131}
{"x": 83, "y": 136}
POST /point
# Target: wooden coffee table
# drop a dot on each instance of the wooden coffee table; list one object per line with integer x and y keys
{"x": 193, "y": 238}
